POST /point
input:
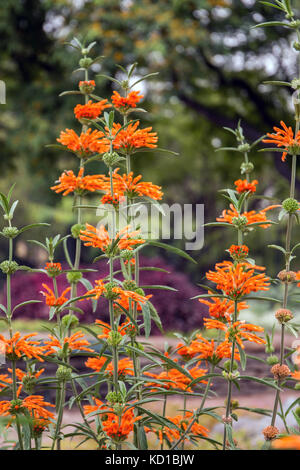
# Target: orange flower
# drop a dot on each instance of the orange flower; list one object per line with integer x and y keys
{"x": 238, "y": 252}
{"x": 207, "y": 350}
{"x": 5, "y": 380}
{"x": 69, "y": 183}
{"x": 125, "y": 366}
{"x": 219, "y": 307}
{"x": 298, "y": 278}
{"x": 285, "y": 138}
{"x": 90, "y": 110}
{"x": 251, "y": 217}
{"x": 132, "y": 138}
{"x": 29, "y": 376}
{"x": 130, "y": 101}
{"x": 35, "y": 404}
{"x": 53, "y": 301}
{"x": 291, "y": 442}
{"x": 117, "y": 428}
{"x": 237, "y": 330}
{"x": 182, "y": 422}
{"x": 242, "y": 186}
{"x": 174, "y": 379}
{"x": 86, "y": 144}
{"x": 132, "y": 186}
{"x": 121, "y": 295}
{"x": 73, "y": 342}
{"x": 106, "y": 328}
{"x": 53, "y": 269}
{"x": 239, "y": 279}
{"x": 296, "y": 375}
{"x": 18, "y": 347}
{"x": 99, "y": 238}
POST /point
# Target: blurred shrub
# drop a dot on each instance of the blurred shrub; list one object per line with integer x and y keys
{"x": 177, "y": 311}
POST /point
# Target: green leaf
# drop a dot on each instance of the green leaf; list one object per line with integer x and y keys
{"x": 172, "y": 249}
{"x": 242, "y": 356}
{"x": 29, "y": 227}
{"x": 27, "y": 302}
{"x": 147, "y": 318}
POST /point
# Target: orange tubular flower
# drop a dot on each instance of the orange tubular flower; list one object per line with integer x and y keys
{"x": 5, "y": 380}
{"x": 238, "y": 330}
{"x": 218, "y": 308}
{"x": 251, "y": 217}
{"x": 74, "y": 342}
{"x": 285, "y": 138}
{"x": 122, "y": 296}
{"x": 239, "y": 279}
{"x": 291, "y": 442}
{"x": 90, "y": 110}
{"x": 207, "y": 350}
{"x": 20, "y": 374}
{"x": 242, "y": 186}
{"x": 106, "y": 328}
{"x": 53, "y": 301}
{"x": 182, "y": 422}
{"x": 99, "y": 238}
{"x": 69, "y": 183}
{"x": 117, "y": 428}
{"x": 53, "y": 269}
{"x": 35, "y": 404}
{"x": 86, "y": 144}
{"x": 132, "y": 186}
{"x": 174, "y": 379}
{"x": 124, "y": 103}
{"x": 18, "y": 347}
{"x": 125, "y": 367}
{"x": 298, "y": 278}
{"x": 132, "y": 138}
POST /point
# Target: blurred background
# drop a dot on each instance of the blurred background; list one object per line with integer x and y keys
{"x": 211, "y": 67}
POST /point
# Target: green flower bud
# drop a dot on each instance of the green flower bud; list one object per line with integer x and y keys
{"x": 127, "y": 254}
{"x": 295, "y": 24}
{"x": 297, "y": 411}
{"x": 63, "y": 373}
{"x": 140, "y": 291}
{"x": 247, "y": 168}
{"x": 296, "y": 46}
{"x": 227, "y": 365}
{"x": 114, "y": 397}
{"x": 240, "y": 222}
{"x": 29, "y": 382}
{"x": 295, "y": 83}
{"x": 129, "y": 285}
{"x": 84, "y": 51}
{"x": 10, "y": 232}
{"x": 271, "y": 360}
{"x": 109, "y": 293}
{"x": 9, "y": 267}
{"x": 76, "y": 229}
{"x": 85, "y": 62}
{"x": 291, "y": 205}
{"x": 111, "y": 159}
{"x": 16, "y": 407}
{"x": 70, "y": 321}
{"x": 244, "y": 148}
{"x": 269, "y": 349}
{"x": 75, "y": 277}
{"x": 297, "y": 386}
{"x": 234, "y": 404}
{"x": 118, "y": 408}
{"x": 114, "y": 338}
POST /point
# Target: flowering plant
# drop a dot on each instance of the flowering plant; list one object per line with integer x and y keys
{"x": 125, "y": 374}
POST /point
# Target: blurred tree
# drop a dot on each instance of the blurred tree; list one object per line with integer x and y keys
{"x": 211, "y": 67}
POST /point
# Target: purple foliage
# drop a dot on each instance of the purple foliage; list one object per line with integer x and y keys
{"x": 176, "y": 310}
